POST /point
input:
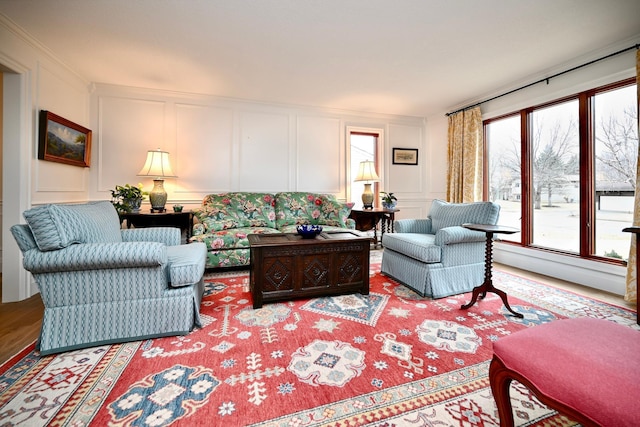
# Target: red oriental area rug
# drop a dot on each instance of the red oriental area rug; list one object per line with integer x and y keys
{"x": 390, "y": 358}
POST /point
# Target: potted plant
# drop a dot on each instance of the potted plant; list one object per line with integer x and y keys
{"x": 389, "y": 201}
{"x": 127, "y": 198}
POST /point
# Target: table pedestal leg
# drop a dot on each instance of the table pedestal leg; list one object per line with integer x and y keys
{"x": 481, "y": 290}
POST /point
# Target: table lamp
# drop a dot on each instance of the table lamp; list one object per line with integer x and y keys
{"x": 158, "y": 167}
{"x": 367, "y": 173}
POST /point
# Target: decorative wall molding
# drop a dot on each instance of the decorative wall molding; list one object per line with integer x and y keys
{"x": 221, "y": 144}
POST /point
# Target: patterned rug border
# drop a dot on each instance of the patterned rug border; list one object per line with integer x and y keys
{"x": 16, "y": 357}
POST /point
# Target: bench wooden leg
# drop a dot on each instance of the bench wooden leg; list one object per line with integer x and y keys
{"x": 500, "y": 380}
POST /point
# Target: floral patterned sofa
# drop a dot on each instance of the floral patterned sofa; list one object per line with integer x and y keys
{"x": 224, "y": 220}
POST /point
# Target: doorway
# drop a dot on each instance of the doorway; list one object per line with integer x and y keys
{"x": 16, "y": 130}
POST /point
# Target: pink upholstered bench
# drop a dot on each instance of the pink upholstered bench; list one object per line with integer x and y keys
{"x": 587, "y": 369}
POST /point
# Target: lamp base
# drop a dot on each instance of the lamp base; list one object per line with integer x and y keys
{"x": 157, "y": 196}
{"x": 367, "y": 197}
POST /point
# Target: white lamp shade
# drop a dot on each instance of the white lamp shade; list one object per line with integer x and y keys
{"x": 367, "y": 172}
{"x": 157, "y": 165}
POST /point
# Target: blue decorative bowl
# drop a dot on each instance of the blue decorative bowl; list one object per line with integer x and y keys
{"x": 308, "y": 231}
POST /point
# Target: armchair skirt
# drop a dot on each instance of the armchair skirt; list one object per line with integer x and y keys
{"x": 434, "y": 280}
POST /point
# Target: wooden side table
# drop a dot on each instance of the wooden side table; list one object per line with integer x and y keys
{"x": 368, "y": 219}
{"x": 487, "y": 286}
{"x": 182, "y": 220}
{"x": 636, "y": 230}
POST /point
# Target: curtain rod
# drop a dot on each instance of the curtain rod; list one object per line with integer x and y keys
{"x": 546, "y": 79}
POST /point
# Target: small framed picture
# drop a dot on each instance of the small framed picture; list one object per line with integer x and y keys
{"x": 405, "y": 156}
{"x": 63, "y": 141}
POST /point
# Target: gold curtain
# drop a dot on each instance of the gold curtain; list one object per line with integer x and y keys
{"x": 465, "y": 157}
{"x": 632, "y": 275}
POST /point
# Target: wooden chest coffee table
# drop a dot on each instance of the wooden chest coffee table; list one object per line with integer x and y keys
{"x": 286, "y": 266}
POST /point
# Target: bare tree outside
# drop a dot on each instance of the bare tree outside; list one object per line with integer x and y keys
{"x": 554, "y": 143}
{"x": 617, "y": 139}
{"x": 616, "y": 157}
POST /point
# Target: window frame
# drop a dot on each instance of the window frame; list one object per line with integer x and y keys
{"x": 378, "y": 136}
{"x": 586, "y": 141}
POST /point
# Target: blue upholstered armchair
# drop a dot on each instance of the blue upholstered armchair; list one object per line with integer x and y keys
{"x": 101, "y": 284}
{"x": 436, "y": 256}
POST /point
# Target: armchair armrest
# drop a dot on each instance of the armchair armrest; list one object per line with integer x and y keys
{"x": 94, "y": 256}
{"x": 457, "y": 234}
{"x": 422, "y": 225}
{"x": 170, "y": 236}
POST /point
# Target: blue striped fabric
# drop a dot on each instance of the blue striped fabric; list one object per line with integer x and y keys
{"x": 183, "y": 270}
{"x": 434, "y": 281}
{"x": 445, "y": 214}
{"x": 58, "y": 226}
{"x": 414, "y": 245}
{"x": 436, "y": 256}
{"x": 170, "y": 236}
{"x": 110, "y": 290}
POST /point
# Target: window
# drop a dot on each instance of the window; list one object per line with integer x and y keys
{"x": 564, "y": 173}
{"x": 505, "y": 171}
{"x": 616, "y": 153}
{"x": 555, "y": 175}
{"x": 363, "y": 146}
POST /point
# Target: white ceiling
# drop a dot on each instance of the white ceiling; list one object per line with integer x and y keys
{"x": 409, "y": 57}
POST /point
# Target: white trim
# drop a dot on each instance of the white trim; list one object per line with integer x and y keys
{"x": 597, "y": 275}
{"x": 18, "y": 131}
{"x": 380, "y": 131}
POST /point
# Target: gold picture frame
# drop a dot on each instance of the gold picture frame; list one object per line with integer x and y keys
{"x": 62, "y": 141}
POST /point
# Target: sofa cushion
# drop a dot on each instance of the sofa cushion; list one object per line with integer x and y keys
{"x": 293, "y": 208}
{"x": 414, "y": 245}
{"x": 334, "y": 212}
{"x": 225, "y": 211}
{"x": 58, "y": 226}
{"x": 445, "y": 214}
{"x": 186, "y": 263}
{"x": 232, "y": 238}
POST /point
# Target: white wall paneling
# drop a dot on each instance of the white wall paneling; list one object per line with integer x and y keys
{"x": 436, "y": 156}
{"x": 204, "y": 160}
{"x": 64, "y": 96}
{"x": 320, "y": 161}
{"x": 127, "y": 129}
{"x": 219, "y": 144}
{"x": 264, "y": 152}
{"x": 406, "y": 181}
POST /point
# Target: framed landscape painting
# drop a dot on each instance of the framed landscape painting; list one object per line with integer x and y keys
{"x": 63, "y": 141}
{"x": 405, "y": 156}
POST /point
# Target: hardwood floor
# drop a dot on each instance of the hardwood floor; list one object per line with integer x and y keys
{"x": 20, "y": 321}
{"x": 19, "y": 324}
